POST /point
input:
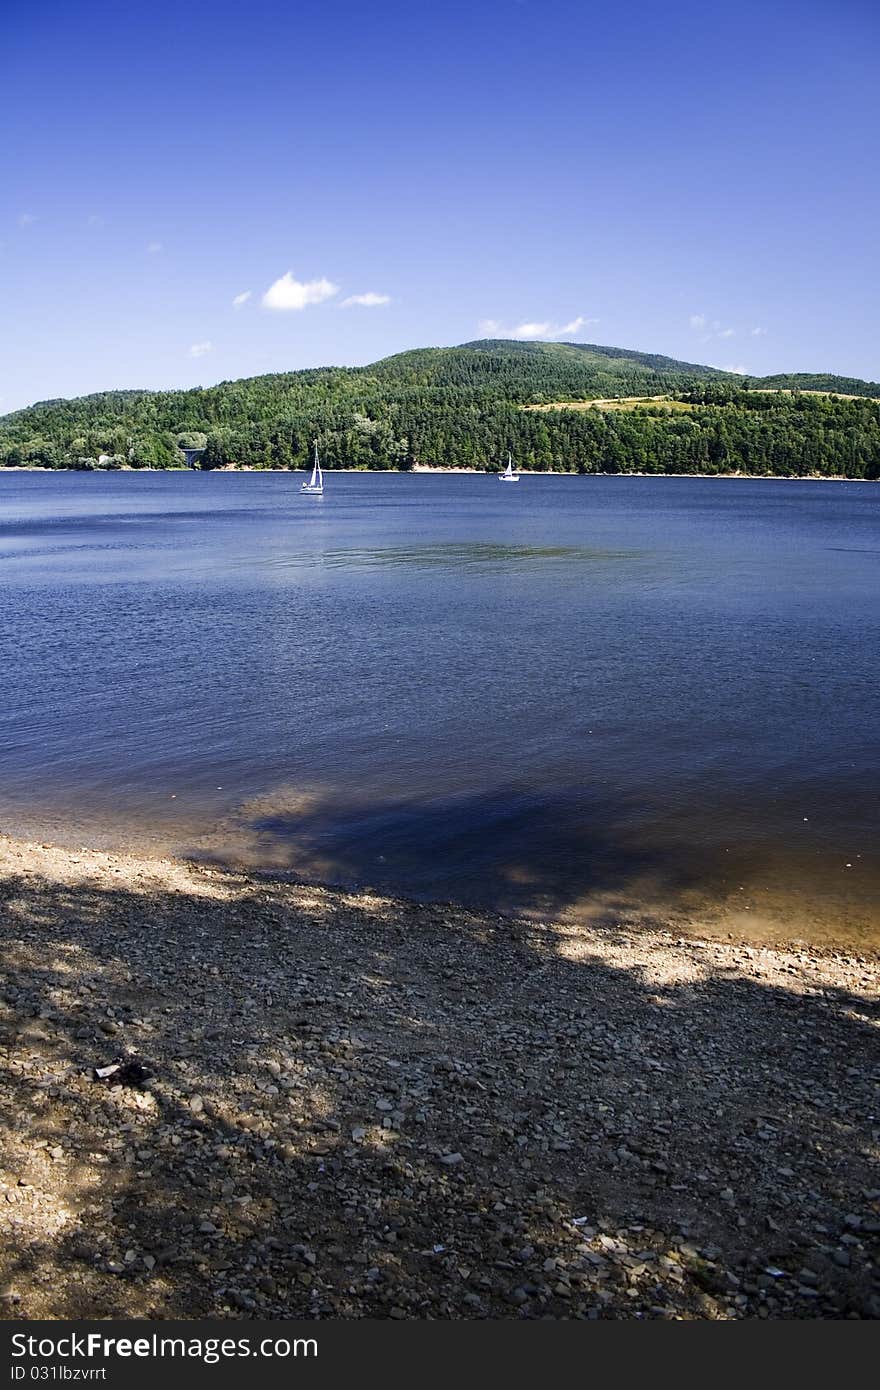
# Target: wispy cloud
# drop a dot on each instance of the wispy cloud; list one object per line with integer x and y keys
{"x": 758, "y": 332}
{"x": 200, "y": 349}
{"x": 370, "y": 300}
{"x": 738, "y": 368}
{"x": 26, "y": 219}
{"x": 241, "y": 299}
{"x": 575, "y": 326}
{"x": 153, "y": 248}
{"x": 287, "y": 293}
{"x": 492, "y": 328}
{"x": 710, "y": 328}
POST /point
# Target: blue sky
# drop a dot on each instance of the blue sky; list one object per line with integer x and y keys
{"x": 683, "y": 178}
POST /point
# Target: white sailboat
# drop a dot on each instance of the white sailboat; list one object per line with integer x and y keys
{"x": 315, "y": 484}
{"x": 508, "y": 476}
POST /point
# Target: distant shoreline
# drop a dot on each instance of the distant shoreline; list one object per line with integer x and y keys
{"x": 427, "y": 468}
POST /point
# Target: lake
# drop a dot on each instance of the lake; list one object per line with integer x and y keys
{"x": 592, "y": 697}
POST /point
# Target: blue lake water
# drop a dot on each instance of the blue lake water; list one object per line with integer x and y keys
{"x": 584, "y": 696}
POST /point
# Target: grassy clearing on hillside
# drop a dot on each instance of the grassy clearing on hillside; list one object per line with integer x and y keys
{"x": 628, "y": 403}
{"x": 787, "y": 391}
{"x": 617, "y": 403}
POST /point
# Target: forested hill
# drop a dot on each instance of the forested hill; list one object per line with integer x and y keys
{"x": 466, "y": 407}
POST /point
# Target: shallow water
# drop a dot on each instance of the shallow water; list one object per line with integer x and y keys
{"x": 578, "y": 695}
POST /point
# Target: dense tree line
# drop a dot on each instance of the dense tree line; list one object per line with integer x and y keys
{"x": 463, "y": 407}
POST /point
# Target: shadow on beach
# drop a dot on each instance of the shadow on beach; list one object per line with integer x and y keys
{"x": 577, "y": 854}
{"x": 363, "y": 1108}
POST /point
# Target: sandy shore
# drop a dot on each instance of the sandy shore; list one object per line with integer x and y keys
{"x": 361, "y": 1107}
{"x": 437, "y": 468}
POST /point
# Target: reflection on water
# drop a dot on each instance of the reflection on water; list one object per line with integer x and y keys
{"x": 596, "y": 697}
{"x": 457, "y": 556}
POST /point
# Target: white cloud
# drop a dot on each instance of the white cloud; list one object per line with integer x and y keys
{"x": 727, "y": 333}
{"x": 287, "y": 293}
{"x": 739, "y": 369}
{"x": 241, "y": 299}
{"x": 758, "y": 332}
{"x": 26, "y": 219}
{"x": 200, "y": 349}
{"x": 492, "y": 328}
{"x": 370, "y": 300}
{"x": 154, "y": 247}
{"x": 697, "y": 321}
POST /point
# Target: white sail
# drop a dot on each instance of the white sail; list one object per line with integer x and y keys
{"x": 316, "y": 481}
{"x": 508, "y": 475}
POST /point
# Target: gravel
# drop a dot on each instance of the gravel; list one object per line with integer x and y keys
{"x": 359, "y": 1107}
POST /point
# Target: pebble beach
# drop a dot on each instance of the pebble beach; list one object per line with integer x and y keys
{"x": 336, "y": 1105}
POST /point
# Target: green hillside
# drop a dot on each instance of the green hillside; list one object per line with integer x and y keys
{"x": 523, "y": 371}
{"x": 463, "y": 407}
